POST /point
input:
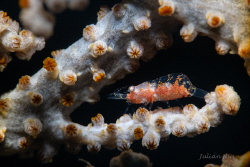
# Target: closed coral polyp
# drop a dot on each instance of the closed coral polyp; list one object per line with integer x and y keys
{"x": 135, "y": 50}
{"x": 98, "y": 48}
{"x": 89, "y": 32}
{"x": 179, "y": 129}
{"x": 98, "y": 120}
{"x": 94, "y": 148}
{"x": 163, "y": 43}
{"x": 247, "y": 3}
{"x": 3, "y": 61}
{"x": 112, "y": 129}
{"x": 142, "y": 23}
{"x": 32, "y": 126}
{"x": 138, "y": 133}
{"x": 71, "y": 130}
{"x": 98, "y": 76}
{"x": 56, "y": 52}
{"x": 202, "y": 127}
{"x": 119, "y": 10}
{"x": 4, "y": 105}
{"x": 188, "y": 32}
{"x": 232, "y": 108}
{"x": 4, "y": 17}
{"x": 141, "y": 114}
{"x": 23, "y": 142}
{"x": 220, "y": 89}
{"x": 214, "y": 19}
{"x": 151, "y": 144}
{"x": 221, "y": 49}
{"x": 167, "y": 8}
{"x": 25, "y": 33}
{"x": 67, "y": 100}
{"x": 68, "y": 78}
{"x": 36, "y": 99}
{"x": 160, "y": 122}
{"x": 228, "y": 99}
{"x": 11, "y": 41}
{"x": 2, "y": 134}
{"x": 123, "y": 146}
{"x": 102, "y": 12}
{"x": 49, "y": 64}
{"x": 24, "y": 82}
{"x": 244, "y": 50}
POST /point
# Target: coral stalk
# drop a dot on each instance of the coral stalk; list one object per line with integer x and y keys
{"x": 107, "y": 52}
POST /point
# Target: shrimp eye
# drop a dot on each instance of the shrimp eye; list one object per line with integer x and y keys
{"x": 131, "y": 88}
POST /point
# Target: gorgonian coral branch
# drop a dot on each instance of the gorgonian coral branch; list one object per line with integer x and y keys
{"x": 108, "y": 50}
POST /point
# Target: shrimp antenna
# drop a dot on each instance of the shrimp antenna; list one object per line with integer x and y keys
{"x": 117, "y": 96}
{"x": 120, "y": 93}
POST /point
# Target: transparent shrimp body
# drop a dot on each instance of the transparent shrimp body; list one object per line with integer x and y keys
{"x": 169, "y": 87}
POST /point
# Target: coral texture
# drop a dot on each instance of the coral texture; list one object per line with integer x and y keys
{"x": 107, "y": 51}
{"x": 24, "y": 43}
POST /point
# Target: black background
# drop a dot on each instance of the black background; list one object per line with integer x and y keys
{"x": 198, "y": 60}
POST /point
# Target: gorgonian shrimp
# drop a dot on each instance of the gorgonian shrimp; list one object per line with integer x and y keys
{"x": 170, "y": 87}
